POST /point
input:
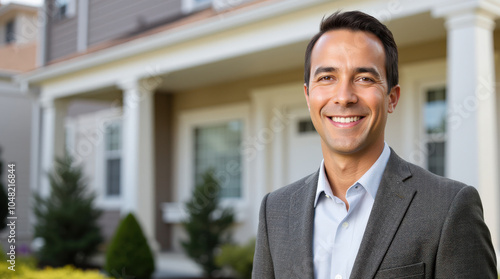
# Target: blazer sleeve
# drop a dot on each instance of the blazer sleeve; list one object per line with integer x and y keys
{"x": 465, "y": 248}
{"x": 263, "y": 262}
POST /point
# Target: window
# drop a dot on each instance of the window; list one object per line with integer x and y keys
{"x": 217, "y": 148}
{"x": 9, "y": 32}
{"x": 305, "y": 126}
{"x": 435, "y": 129}
{"x": 64, "y": 8}
{"x": 112, "y": 155}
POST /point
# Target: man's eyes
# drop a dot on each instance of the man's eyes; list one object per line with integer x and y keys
{"x": 366, "y": 79}
{"x": 325, "y": 78}
{"x": 360, "y": 79}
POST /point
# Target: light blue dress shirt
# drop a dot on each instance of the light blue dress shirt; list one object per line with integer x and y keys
{"x": 338, "y": 232}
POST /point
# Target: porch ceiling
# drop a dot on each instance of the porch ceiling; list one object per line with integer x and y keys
{"x": 416, "y": 29}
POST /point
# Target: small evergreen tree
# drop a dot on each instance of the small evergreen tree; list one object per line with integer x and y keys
{"x": 129, "y": 255}
{"x": 207, "y": 225}
{"x": 4, "y": 202}
{"x": 67, "y": 219}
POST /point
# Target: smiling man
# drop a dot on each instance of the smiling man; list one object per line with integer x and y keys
{"x": 366, "y": 213}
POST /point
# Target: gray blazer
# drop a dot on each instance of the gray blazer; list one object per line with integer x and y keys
{"x": 421, "y": 226}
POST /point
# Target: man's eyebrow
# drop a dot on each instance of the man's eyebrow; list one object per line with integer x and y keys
{"x": 325, "y": 70}
{"x": 370, "y": 70}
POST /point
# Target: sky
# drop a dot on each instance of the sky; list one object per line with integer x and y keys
{"x": 29, "y": 2}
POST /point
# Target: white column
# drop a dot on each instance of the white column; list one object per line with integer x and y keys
{"x": 137, "y": 155}
{"x": 53, "y": 144}
{"x": 36, "y": 116}
{"x": 472, "y": 143}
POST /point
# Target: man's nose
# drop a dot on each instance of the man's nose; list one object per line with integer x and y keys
{"x": 344, "y": 94}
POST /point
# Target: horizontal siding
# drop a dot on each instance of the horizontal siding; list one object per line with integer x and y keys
{"x": 62, "y": 37}
{"x": 110, "y": 19}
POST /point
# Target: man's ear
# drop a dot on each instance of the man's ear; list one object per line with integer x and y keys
{"x": 306, "y": 94}
{"x": 393, "y": 98}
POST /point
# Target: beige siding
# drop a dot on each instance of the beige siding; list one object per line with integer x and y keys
{"x": 111, "y": 19}
{"x": 62, "y": 36}
{"x": 15, "y": 124}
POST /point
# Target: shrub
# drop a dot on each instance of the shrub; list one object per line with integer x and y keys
{"x": 207, "y": 225}
{"x": 128, "y": 254}
{"x": 67, "y": 219}
{"x": 238, "y": 258}
{"x": 26, "y": 270}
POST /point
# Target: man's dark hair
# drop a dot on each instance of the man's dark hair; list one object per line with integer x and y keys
{"x": 358, "y": 21}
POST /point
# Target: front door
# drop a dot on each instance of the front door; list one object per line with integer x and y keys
{"x": 304, "y": 147}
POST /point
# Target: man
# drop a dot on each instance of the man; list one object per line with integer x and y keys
{"x": 366, "y": 213}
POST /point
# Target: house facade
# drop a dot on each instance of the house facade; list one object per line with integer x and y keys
{"x": 178, "y": 87}
{"x": 18, "y": 52}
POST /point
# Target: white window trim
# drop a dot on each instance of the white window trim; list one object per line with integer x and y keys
{"x": 414, "y": 79}
{"x": 70, "y": 10}
{"x": 103, "y": 200}
{"x": 184, "y": 170}
{"x": 424, "y": 88}
{"x": 190, "y": 6}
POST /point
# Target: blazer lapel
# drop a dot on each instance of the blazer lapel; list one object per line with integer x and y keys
{"x": 301, "y": 225}
{"x": 391, "y": 203}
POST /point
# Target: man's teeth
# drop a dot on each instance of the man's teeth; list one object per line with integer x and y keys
{"x": 346, "y": 119}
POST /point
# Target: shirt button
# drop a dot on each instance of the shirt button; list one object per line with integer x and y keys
{"x": 338, "y": 276}
{"x": 345, "y": 225}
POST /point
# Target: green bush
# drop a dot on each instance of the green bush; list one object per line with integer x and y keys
{"x": 128, "y": 254}
{"x": 238, "y": 258}
{"x": 208, "y": 225}
{"x": 26, "y": 270}
{"x": 67, "y": 219}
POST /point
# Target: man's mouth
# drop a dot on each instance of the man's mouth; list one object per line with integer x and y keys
{"x": 346, "y": 120}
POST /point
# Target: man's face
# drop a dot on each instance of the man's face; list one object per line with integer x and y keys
{"x": 348, "y": 98}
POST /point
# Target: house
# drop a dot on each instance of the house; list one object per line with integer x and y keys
{"x": 187, "y": 85}
{"x": 18, "y": 52}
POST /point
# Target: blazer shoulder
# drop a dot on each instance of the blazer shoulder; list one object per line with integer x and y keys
{"x": 426, "y": 183}
{"x": 432, "y": 187}
{"x": 425, "y": 177}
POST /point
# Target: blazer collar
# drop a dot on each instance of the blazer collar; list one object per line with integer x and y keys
{"x": 391, "y": 203}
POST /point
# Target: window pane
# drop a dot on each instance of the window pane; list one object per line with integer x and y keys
{"x": 435, "y": 111}
{"x": 306, "y": 126}
{"x": 435, "y": 157}
{"x": 435, "y": 128}
{"x": 113, "y": 177}
{"x": 113, "y": 137}
{"x": 9, "y": 32}
{"x": 217, "y": 147}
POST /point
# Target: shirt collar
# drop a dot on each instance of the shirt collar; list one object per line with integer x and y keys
{"x": 370, "y": 180}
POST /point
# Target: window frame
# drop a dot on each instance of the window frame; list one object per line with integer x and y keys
{"x": 10, "y": 37}
{"x": 426, "y": 137}
{"x": 112, "y": 155}
{"x": 104, "y": 200}
{"x": 188, "y": 121}
{"x": 69, "y": 11}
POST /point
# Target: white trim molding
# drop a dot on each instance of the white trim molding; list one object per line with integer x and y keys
{"x": 184, "y": 170}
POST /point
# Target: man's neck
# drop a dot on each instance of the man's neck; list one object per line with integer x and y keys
{"x": 343, "y": 170}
